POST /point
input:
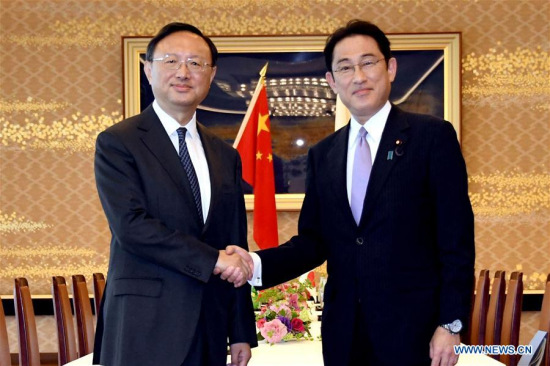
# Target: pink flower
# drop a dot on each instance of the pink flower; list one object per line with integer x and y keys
{"x": 273, "y": 331}
{"x": 297, "y": 325}
{"x": 260, "y": 323}
{"x": 278, "y": 309}
{"x": 293, "y": 301}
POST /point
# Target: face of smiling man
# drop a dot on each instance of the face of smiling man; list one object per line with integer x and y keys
{"x": 363, "y": 90}
{"x": 179, "y": 92}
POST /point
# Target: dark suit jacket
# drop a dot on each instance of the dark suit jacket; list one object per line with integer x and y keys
{"x": 409, "y": 264}
{"x": 162, "y": 256}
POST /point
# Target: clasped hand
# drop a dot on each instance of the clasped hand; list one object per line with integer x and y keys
{"x": 234, "y": 265}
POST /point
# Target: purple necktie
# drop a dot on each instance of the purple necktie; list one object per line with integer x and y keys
{"x": 362, "y": 165}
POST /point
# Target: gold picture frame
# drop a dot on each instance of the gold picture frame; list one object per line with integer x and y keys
{"x": 447, "y": 43}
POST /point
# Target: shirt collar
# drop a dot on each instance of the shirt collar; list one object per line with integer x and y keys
{"x": 171, "y": 125}
{"x": 374, "y": 126}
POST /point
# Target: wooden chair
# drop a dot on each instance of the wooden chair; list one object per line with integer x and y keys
{"x": 512, "y": 316}
{"x": 479, "y": 314}
{"x": 99, "y": 287}
{"x": 496, "y": 309}
{"x": 29, "y": 355}
{"x": 84, "y": 318}
{"x": 544, "y": 323}
{"x": 465, "y": 336}
{"x": 66, "y": 340}
{"x": 5, "y": 358}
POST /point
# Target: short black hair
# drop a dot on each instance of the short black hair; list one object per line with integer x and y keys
{"x": 356, "y": 27}
{"x": 179, "y": 27}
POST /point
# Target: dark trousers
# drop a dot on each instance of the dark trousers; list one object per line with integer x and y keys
{"x": 201, "y": 352}
{"x": 366, "y": 346}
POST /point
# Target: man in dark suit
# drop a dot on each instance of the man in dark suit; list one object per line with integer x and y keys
{"x": 387, "y": 207}
{"x": 171, "y": 191}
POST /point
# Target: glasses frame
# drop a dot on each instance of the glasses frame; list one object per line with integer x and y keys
{"x": 202, "y": 65}
{"x": 365, "y": 66}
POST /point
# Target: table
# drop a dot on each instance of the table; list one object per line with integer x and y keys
{"x": 82, "y": 361}
{"x": 305, "y": 353}
{"x": 293, "y": 353}
{"x": 299, "y": 353}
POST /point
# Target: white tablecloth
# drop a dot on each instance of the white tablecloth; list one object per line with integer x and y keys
{"x": 305, "y": 353}
{"x": 83, "y": 361}
{"x": 294, "y": 353}
{"x": 477, "y": 360}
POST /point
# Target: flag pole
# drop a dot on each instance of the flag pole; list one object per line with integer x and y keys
{"x": 261, "y": 81}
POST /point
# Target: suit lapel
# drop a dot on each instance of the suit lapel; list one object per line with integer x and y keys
{"x": 337, "y": 167}
{"x": 214, "y": 167}
{"x": 386, "y": 158}
{"x": 157, "y": 141}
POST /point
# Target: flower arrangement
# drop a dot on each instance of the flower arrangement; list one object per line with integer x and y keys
{"x": 284, "y": 314}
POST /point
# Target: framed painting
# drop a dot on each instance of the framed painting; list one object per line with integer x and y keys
{"x": 303, "y": 108}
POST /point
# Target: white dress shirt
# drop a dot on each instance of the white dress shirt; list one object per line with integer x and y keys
{"x": 374, "y": 126}
{"x": 196, "y": 152}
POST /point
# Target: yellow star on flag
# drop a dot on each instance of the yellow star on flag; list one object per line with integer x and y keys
{"x": 270, "y": 158}
{"x": 262, "y": 125}
{"x": 258, "y": 156}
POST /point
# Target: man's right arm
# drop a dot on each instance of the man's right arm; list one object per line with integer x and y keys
{"x": 122, "y": 195}
{"x": 300, "y": 254}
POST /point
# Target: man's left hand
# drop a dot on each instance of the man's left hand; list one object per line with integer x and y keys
{"x": 240, "y": 354}
{"x": 441, "y": 348}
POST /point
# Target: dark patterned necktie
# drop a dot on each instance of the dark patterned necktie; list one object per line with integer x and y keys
{"x": 190, "y": 170}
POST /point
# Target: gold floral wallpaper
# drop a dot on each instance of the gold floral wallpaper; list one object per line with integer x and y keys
{"x": 61, "y": 83}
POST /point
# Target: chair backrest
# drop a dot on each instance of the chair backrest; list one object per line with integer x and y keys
{"x": 465, "y": 336}
{"x": 479, "y": 314}
{"x": 66, "y": 340}
{"x": 496, "y": 309}
{"x": 29, "y": 355}
{"x": 512, "y": 316}
{"x": 99, "y": 287}
{"x": 544, "y": 323}
{"x": 5, "y": 358}
{"x": 84, "y": 318}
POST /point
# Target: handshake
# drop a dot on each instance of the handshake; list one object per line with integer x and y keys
{"x": 234, "y": 265}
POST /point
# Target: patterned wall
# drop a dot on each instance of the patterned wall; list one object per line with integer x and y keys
{"x": 61, "y": 83}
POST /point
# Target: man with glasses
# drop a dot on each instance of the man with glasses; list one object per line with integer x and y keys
{"x": 387, "y": 207}
{"x": 171, "y": 191}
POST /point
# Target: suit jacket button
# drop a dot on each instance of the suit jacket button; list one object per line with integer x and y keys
{"x": 359, "y": 241}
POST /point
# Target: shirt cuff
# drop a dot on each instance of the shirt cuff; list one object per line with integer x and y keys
{"x": 256, "y": 280}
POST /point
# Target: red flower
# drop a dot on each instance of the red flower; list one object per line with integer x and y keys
{"x": 297, "y": 325}
{"x": 260, "y": 323}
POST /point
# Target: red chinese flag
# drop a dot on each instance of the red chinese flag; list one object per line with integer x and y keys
{"x": 254, "y": 146}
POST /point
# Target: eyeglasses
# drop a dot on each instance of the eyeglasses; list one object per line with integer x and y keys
{"x": 349, "y": 69}
{"x": 172, "y": 62}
